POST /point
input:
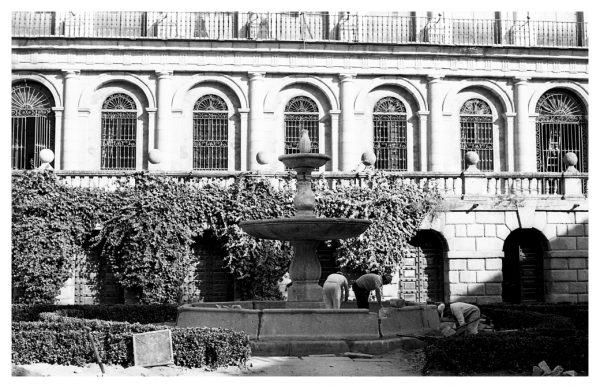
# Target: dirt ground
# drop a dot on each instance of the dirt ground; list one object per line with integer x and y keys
{"x": 396, "y": 363}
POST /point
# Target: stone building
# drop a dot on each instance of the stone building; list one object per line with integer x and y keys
{"x": 208, "y": 92}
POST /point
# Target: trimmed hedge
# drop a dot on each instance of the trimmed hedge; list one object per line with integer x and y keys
{"x": 156, "y": 313}
{"x": 577, "y": 313}
{"x": 516, "y": 351}
{"x": 506, "y": 319}
{"x": 64, "y": 341}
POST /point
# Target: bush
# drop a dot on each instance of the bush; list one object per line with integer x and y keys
{"x": 156, "y": 313}
{"x": 65, "y": 342}
{"x": 516, "y": 351}
{"x": 577, "y": 313}
{"x": 506, "y": 319}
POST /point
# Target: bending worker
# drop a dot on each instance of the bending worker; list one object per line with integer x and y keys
{"x": 465, "y": 314}
{"x": 363, "y": 286}
{"x": 334, "y": 288}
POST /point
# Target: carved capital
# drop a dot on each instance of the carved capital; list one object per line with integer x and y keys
{"x": 256, "y": 75}
{"x": 347, "y": 77}
{"x": 162, "y": 74}
{"x": 71, "y": 73}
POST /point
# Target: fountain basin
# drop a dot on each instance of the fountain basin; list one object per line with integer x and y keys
{"x": 304, "y": 160}
{"x": 305, "y": 228}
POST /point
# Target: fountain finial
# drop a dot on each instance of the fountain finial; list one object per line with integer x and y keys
{"x": 304, "y": 143}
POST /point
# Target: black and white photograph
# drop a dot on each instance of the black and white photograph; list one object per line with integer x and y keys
{"x": 298, "y": 190}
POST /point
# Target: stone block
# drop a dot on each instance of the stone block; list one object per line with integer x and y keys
{"x": 581, "y": 217}
{"x": 582, "y": 275}
{"x": 549, "y": 231}
{"x": 558, "y": 287}
{"x": 488, "y": 299}
{"x": 578, "y": 263}
{"x": 582, "y": 298}
{"x": 576, "y": 230}
{"x": 493, "y": 289}
{"x": 493, "y": 263}
{"x": 558, "y": 264}
{"x": 561, "y": 230}
{"x": 512, "y": 220}
{"x": 489, "y": 244}
{"x": 475, "y": 230}
{"x": 453, "y": 277}
{"x": 476, "y": 289}
{"x": 502, "y": 231}
{"x": 460, "y": 218}
{"x": 475, "y": 264}
{"x": 463, "y": 244}
{"x": 457, "y": 264}
{"x": 561, "y": 298}
{"x": 464, "y": 298}
{"x": 539, "y": 220}
{"x": 490, "y": 230}
{"x": 587, "y": 229}
{"x": 449, "y": 230}
{"x": 234, "y": 319}
{"x": 318, "y": 324}
{"x": 409, "y": 319}
{"x": 468, "y": 276}
{"x": 582, "y": 242}
{"x": 564, "y": 275}
{"x": 489, "y": 276}
{"x": 458, "y": 289}
{"x": 460, "y": 230}
{"x": 578, "y": 288}
{"x": 489, "y": 217}
{"x": 561, "y": 218}
{"x": 566, "y": 243}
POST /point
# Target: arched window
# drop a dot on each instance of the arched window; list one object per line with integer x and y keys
{"x": 119, "y": 131}
{"x": 301, "y": 113}
{"x": 210, "y": 133}
{"x": 561, "y": 127}
{"x": 32, "y": 124}
{"x": 389, "y": 134}
{"x": 476, "y": 133}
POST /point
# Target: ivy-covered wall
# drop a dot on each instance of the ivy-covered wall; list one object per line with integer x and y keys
{"x": 145, "y": 233}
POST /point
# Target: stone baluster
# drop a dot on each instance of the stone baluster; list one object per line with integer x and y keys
{"x": 571, "y": 185}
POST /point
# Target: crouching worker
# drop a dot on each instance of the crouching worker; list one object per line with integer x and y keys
{"x": 363, "y": 286}
{"x": 334, "y": 289}
{"x": 466, "y": 315}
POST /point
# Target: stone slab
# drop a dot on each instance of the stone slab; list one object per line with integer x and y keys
{"x": 318, "y": 323}
{"x": 409, "y": 319}
{"x": 245, "y": 320}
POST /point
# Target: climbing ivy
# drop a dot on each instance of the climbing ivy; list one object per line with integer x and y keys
{"x": 148, "y": 231}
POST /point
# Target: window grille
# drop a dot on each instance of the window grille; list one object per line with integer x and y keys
{"x": 32, "y": 124}
{"x": 389, "y": 134}
{"x": 301, "y": 113}
{"x": 561, "y": 127}
{"x": 476, "y": 133}
{"x": 210, "y": 134}
{"x": 119, "y": 131}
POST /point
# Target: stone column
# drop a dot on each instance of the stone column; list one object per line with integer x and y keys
{"x": 509, "y": 141}
{"x": 256, "y": 130}
{"x": 163, "y": 118}
{"x": 335, "y": 140}
{"x": 58, "y": 119}
{"x": 152, "y": 139}
{"x": 243, "y": 152}
{"x": 436, "y": 139}
{"x": 423, "y": 120}
{"x": 524, "y": 140}
{"x": 71, "y": 138}
{"x": 348, "y": 157}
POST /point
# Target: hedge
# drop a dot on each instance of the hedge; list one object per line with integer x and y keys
{"x": 577, "y": 313}
{"x": 154, "y": 313}
{"x": 64, "y": 341}
{"x": 516, "y": 351}
{"x": 507, "y": 319}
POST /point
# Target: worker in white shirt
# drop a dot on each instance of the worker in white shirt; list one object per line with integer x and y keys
{"x": 334, "y": 289}
{"x": 466, "y": 315}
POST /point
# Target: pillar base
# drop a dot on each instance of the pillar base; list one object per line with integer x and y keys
{"x": 305, "y": 291}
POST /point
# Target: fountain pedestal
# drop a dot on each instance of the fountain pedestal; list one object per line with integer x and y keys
{"x": 305, "y": 271}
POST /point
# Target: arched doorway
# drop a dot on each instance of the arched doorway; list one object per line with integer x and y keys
{"x": 216, "y": 282}
{"x": 32, "y": 124}
{"x": 422, "y": 274}
{"x": 522, "y": 267}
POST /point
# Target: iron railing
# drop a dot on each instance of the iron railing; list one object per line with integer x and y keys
{"x": 301, "y": 26}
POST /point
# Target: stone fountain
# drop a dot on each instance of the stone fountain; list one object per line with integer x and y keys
{"x": 305, "y": 230}
{"x": 301, "y": 325}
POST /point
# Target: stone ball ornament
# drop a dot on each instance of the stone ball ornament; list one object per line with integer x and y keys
{"x": 154, "y": 156}
{"x": 46, "y": 155}
{"x": 570, "y": 159}
{"x": 368, "y": 158}
{"x": 263, "y": 157}
{"x": 472, "y": 158}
